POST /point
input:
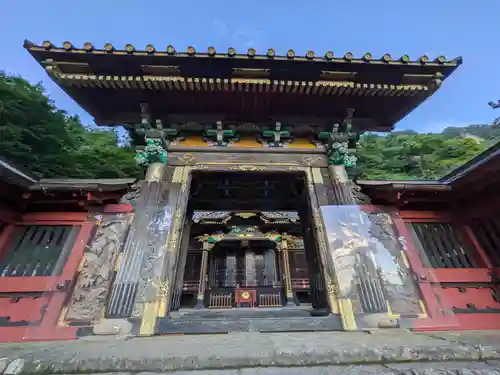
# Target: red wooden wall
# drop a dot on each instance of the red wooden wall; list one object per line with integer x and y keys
{"x": 455, "y": 271}
{"x": 465, "y": 279}
{"x": 31, "y": 304}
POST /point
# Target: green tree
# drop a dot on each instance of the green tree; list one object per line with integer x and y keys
{"x": 37, "y": 135}
{"x": 99, "y": 156}
{"x": 413, "y": 156}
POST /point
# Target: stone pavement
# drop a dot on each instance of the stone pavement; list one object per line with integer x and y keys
{"x": 378, "y": 352}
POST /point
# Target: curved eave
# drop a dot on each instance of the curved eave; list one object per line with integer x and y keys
{"x": 81, "y": 184}
{"x": 73, "y": 84}
{"x": 321, "y": 88}
{"x": 489, "y": 157}
{"x": 14, "y": 175}
{"x": 251, "y": 54}
{"x": 80, "y": 71}
{"x": 405, "y": 186}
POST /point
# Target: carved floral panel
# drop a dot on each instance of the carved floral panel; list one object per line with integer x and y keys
{"x": 96, "y": 271}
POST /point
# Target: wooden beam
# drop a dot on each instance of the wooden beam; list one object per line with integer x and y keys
{"x": 8, "y": 215}
{"x": 34, "y": 217}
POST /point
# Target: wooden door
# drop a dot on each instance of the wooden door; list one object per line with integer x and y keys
{"x": 39, "y": 259}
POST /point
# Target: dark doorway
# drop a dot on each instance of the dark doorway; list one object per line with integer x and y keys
{"x": 263, "y": 202}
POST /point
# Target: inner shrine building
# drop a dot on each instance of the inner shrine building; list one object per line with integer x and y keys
{"x": 247, "y": 218}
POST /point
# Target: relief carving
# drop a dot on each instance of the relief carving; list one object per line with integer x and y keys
{"x": 359, "y": 196}
{"x": 313, "y": 159}
{"x": 370, "y": 266}
{"x": 89, "y": 295}
{"x": 151, "y": 235}
{"x": 133, "y": 195}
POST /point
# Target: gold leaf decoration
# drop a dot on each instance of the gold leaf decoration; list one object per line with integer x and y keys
{"x": 67, "y": 46}
{"x": 329, "y": 55}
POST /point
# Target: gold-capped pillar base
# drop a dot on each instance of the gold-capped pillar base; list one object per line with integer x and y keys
{"x": 148, "y": 322}
{"x": 347, "y": 314}
{"x": 155, "y": 172}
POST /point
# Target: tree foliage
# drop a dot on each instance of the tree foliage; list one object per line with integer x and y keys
{"x": 412, "y": 156}
{"x": 37, "y": 135}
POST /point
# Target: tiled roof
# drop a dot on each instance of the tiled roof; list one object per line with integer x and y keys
{"x": 251, "y": 53}
{"x": 16, "y": 175}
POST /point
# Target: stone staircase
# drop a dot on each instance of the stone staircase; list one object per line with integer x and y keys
{"x": 286, "y": 319}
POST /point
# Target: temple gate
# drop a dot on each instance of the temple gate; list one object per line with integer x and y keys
{"x": 247, "y": 218}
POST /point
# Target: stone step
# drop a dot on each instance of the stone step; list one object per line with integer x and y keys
{"x": 242, "y": 313}
{"x": 282, "y": 324}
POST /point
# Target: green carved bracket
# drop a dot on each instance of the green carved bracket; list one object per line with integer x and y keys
{"x": 276, "y": 137}
{"x": 338, "y": 155}
{"x": 153, "y": 152}
{"x": 338, "y": 142}
{"x": 220, "y": 137}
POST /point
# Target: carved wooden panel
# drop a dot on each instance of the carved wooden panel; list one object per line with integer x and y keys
{"x": 321, "y": 185}
{"x": 193, "y": 158}
{"x": 159, "y": 285}
{"x": 328, "y": 186}
{"x": 23, "y": 310}
{"x": 473, "y": 299}
{"x": 87, "y": 301}
{"x": 133, "y": 195}
{"x": 152, "y": 229}
{"x": 326, "y": 280}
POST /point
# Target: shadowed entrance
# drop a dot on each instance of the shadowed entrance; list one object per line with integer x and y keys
{"x": 248, "y": 246}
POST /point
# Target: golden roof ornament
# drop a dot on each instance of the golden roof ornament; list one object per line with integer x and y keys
{"x": 367, "y": 57}
{"x": 251, "y": 53}
{"x": 67, "y": 46}
{"x": 47, "y": 44}
{"x": 108, "y": 47}
{"x": 348, "y": 56}
{"x": 170, "y": 50}
{"x": 441, "y": 59}
{"x": 87, "y": 46}
{"x": 424, "y": 59}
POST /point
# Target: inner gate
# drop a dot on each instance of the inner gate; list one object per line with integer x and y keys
{"x": 249, "y": 245}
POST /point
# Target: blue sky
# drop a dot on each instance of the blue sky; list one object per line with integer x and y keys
{"x": 438, "y": 27}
